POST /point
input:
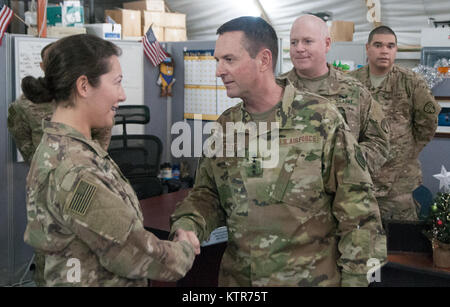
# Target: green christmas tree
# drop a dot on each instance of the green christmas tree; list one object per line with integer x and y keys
{"x": 439, "y": 218}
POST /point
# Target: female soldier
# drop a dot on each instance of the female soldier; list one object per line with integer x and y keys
{"x": 82, "y": 213}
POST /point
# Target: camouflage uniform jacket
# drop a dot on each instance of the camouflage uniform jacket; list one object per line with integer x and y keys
{"x": 412, "y": 113}
{"x": 80, "y": 206}
{"x": 361, "y": 112}
{"x": 311, "y": 220}
{"x": 25, "y": 125}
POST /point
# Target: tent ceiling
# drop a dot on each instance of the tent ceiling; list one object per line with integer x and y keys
{"x": 406, "y": 18}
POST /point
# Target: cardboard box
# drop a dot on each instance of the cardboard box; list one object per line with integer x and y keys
{"x": 342, "y": 31}
{"x": 174, "y": 34}
{"x": 105, "y": 30}
{"x": 130, "y": 21}
{"x": 154, "y": 5}
{"x": 171, "y": 20}
{"x": 58, "y": 32}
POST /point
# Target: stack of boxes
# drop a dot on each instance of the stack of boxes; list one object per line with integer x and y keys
{"x": 342, "y": 31}
{"x": 137, "y": 16}
{"x": 130, "y": 22}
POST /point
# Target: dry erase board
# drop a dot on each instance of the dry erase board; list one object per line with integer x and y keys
{"x": 27, "y": 56}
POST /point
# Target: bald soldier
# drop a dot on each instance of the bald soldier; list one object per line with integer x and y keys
{"x": 310, "y": 219}
{"x": 309, "y": 43}
{"x": 411, "y": 111}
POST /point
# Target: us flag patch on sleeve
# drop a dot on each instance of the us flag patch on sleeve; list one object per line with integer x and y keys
{"x": 81, "y": 200}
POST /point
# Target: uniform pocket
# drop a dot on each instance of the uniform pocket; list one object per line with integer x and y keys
{"x": 299, "y": 183}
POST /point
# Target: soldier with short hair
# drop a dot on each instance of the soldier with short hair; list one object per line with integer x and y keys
{"x": 309, "y": 43}
{"x": 309, "y": 220}
{"x": 411, "y": 111}
{"x": 82, "y": 213}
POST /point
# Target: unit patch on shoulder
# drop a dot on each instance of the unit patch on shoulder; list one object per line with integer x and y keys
{"x": 82, "y": 198}
{"x": 429, "y": 108}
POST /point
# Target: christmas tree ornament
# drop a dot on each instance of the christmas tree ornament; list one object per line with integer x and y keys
{"x": 444, "y": 180}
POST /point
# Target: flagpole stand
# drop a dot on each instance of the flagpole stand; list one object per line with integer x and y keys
{"x": 168, "y": 119}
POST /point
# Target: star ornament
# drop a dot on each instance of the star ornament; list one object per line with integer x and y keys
{"x": 444, "y": 180}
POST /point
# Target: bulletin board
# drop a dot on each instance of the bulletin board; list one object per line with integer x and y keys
{"x": 204, "y": 93}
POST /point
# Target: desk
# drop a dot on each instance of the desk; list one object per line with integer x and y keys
{"x": 407, "y": 265}
{"x": 156, "y": 211}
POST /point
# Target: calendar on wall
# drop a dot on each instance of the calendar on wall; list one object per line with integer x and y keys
{"x": 204, "y": 93}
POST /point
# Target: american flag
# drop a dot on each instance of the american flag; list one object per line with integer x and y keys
{"x": 153, "y": 49}
{"x": 6, "y": 15}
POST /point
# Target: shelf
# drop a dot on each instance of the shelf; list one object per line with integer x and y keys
{"x": 443, "y": 129}
{"x": 403, "y": 55}
{"x": 444, "y": 104}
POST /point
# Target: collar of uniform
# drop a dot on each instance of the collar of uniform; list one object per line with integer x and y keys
{"x": 289, "y": 93}
{"x": 386, "y": 85}
{"x": 329, "y": 86}
{"x": 246, "y": 117}
{"x": 63, "y": 129}
{"x": 290, "y": 77}
{"x": 282, "y": 117}
{"x": 387, "y": 82}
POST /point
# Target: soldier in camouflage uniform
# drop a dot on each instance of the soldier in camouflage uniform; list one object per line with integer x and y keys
{"x": 412, "y": 113}
{"x": 82, "y": 212}
{"x": 312, "y": 219}
{"x": 310, "y": 41}
{"x": 25, "y": 125}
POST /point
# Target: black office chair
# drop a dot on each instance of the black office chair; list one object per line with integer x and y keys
{"x": 138, "y": 156}
{"x": 425, "y": 198}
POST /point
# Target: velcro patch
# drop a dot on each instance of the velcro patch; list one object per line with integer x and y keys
{"x": 81, "y": 200}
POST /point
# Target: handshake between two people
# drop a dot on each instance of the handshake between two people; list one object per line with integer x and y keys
{"x": 190, "y": 237}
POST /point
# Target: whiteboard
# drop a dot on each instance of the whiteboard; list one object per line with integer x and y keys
{"x": 27, "y": 55}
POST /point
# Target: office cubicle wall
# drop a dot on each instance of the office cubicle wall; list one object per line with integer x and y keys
{"x": 14, "y": 253}
{"x": 4, "y": 204}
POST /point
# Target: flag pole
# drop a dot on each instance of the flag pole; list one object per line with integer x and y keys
{"x": 18, "y": 17}
{"x": 42, "y": 18}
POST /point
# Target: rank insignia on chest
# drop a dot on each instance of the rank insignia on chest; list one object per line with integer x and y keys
{"x": 360, "y": 157}
{"x": 254, "y": 168}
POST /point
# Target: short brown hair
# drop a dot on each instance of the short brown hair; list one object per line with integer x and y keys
{"x": 258, "y": 34}
{"x": 381, "y": 30}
